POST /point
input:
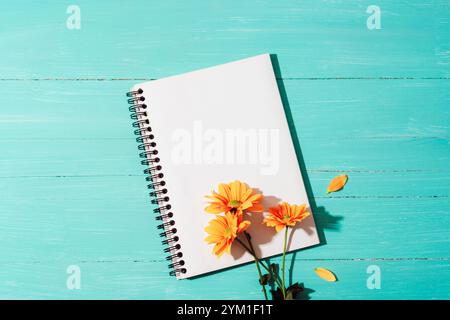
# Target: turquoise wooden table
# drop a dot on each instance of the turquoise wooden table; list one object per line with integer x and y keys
{"x": 369, "y": 102}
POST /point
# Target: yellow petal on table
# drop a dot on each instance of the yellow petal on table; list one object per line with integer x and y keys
{"x": 337, "y": 183}
{"x": 325, "y": 274}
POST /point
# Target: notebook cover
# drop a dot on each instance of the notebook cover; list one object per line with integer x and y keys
{"x": 221, "y": 124}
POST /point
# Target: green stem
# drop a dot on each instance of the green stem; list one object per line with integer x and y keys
{"x": 261, "y": 278}
{"x": 245, "y": 247}
{"x": 248, "y": 237}
{"x": 267, "y": 268}
{"x": 257, "y": 262}
{"x": 283, "y": 289}
{"x": 272, "y": 274}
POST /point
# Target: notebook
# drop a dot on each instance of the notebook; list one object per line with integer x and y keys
{"x": 211, "y": 126}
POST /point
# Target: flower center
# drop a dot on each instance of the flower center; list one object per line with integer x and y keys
{"x": 234, "y": 204}
{"x": 286, "y": 217}
{"x": 227, "y": 232}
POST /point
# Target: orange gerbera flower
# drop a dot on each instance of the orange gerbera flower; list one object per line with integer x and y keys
{"x": 234, "y": 197}
{"x": 285, "y": 215}
{"x": 222, "y": 232}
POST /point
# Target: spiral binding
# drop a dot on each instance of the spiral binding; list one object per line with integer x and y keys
{"x": 158, "y": 192}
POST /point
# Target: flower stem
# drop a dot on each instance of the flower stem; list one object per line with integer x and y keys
{"x": 257, "y": 262}
{"x": 272, "y": 274}
{"x": 245, "y": 246}
{"x": 248, "y": 237}
{"x": 283, "y": 288}
{"x": 261, "y": 279}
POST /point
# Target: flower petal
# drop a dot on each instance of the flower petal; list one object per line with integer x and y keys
{"x": 212, "y": 238}
{"x": 219, "y": 248}
{"x": 243, "y": 226}
{"x": 246, "y": 193}
{"x": 257, "y": 207}
{"x": 257, "y": 197}
{"x": 325, "y": 274}
{"x": 215, "y": 208}
{"x": 224, "y": 191}
{"x": 235, "y": 190}
{"x": 337, "y": 183}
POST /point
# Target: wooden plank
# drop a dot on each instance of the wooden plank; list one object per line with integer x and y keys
{"x": 61, "y": 218}
{"x": 84, "y": 128}
{"x": 113, "y": 157}
{"x": 361, "y": 185}
{"x": 375, "y": 109}
{"x": 400, "y": 279}
{"x": 156, "y": 39}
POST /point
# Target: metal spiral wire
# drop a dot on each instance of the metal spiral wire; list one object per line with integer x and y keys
{"x": 158, "y": 191}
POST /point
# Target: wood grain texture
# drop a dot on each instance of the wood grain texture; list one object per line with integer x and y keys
{"x": 159, "y": 38}
{"x": 148, "y": 280}
{"x": 370, "y": 104}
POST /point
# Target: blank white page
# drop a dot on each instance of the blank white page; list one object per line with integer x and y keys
{"x": 221, "y": 124}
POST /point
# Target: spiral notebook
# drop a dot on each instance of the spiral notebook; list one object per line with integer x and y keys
{"x": 211, "y": 126}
